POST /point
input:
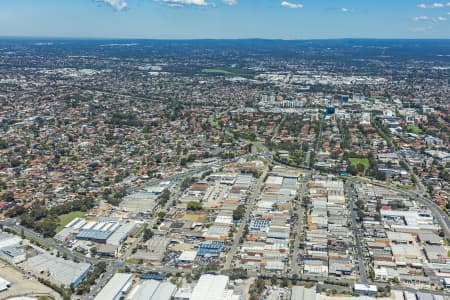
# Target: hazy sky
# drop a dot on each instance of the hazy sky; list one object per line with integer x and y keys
{"x": 293, "y": 19}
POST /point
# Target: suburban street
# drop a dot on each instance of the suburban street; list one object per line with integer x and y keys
{"x": 357, "y": 233}
{"x": 248, "y": 211}
{"x": 298, "y": 226}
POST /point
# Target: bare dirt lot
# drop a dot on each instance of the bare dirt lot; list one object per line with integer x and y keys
{"x": 23, "y": 285}
{"x": 195, "y": 217}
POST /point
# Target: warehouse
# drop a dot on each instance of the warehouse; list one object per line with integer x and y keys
{"x": 116, "y": 288}
{"x": 278, "y": 232}
{"x": 217, "y": 232}
{"x": 154, "y": 250}
{"x": 13, "y": 254}
{"x": 211, "y": 248}
{"x": 210, "y": 287}
{"x": 153, "y": 290}
{"x": 93, "y": 235}
{"x": 8, "y": 240}
{"x": 4, "y": 284}
{"x": 58, "y": 270}
{"x": 301, "y": 293}
{"x": 187, "y": 257}
{"x": 121, "y": 234}
{"x": 274, "y": 181}
{"x": 140, "y": 202}
{"x": 365, "y": 289}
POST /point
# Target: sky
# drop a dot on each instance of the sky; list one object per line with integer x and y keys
{"x": 193, "y": 19}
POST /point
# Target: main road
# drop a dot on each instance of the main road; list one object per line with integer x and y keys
{"x": 421, "y": 196}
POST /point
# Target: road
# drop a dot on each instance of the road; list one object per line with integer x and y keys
{"x": 113, "y": 267}
{"x": 49, "y": 242}
{"x": 249, "y": 209}
{"x": 175, "y": 194}
{"x": 298, "y": 229}
{"x": 357, "y": 233}
{"x": 277, "y": 128}
{"x": 415, "y": 290}
{"x": 319, "y": 135}
{"x": 421, "y": 196}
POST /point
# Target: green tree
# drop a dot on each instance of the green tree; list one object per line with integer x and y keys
{"x": 148, "y": 234}
{"x": 194, "y": 206}
{"x": 239, "y": 212}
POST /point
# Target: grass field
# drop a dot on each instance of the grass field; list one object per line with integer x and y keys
{"x": 216, "y": 71}
{"x": 67, "y": 218}
{"x": 355, "y": 161}
{"x": 414, "y": 129}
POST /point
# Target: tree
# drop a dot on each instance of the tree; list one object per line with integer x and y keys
{"x": 165, "y": 196}
{"x": 238, "y": 273}
{"x": 360, "y": 167}
{"x": 239, "y": 212}
{"x": 148, "y": 234}
{"x": 379, "y": 175}
{"x": 93, "y": 251}
{"x": 194, "y": 206}
{"x": 8, "y": 197}
{"x": 352, "y": 170}
{"x": 361, "y": 214}
{"x": 187, "y": 182}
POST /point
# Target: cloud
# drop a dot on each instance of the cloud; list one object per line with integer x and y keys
{"x": 344, "y": 10}
{"x": 426, "y": 18}
{"x": 439, "y": 19}
{"x": 433, "y": 5}
{"x": 230, "y": 2}
{"x": 421, "y": 18}
{"x": 181, "y": 3}
{"x": 118, "y": 5}
{"x": 291, "y": 5}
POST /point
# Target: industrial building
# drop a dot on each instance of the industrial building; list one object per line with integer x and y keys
{"x": 9, "y": 240}
{"x": 103, "y": 231}
{"x": 153, "y": 290}
{"x": 57, "y": 270}
{"x": 299, "y": 292}
{"x": 13, "y": 254}
{"x": 116, "y": 287}
{"x": 4, "y": 284}
{"x": 210, "y": 287}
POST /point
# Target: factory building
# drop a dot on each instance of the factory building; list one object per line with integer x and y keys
{"x": 116, "y": 287}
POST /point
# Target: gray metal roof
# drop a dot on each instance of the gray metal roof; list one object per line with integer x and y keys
{"x": 64, "y": 271}
{"x": 154, "y": 290}
{"x": 115, "y": 287}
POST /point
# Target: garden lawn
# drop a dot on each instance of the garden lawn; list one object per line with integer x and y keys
{"x": 67, "y": 218}
{"x": 216, "y": 71}
{"x": 355, "y": 161}
{"x": 414, "y": 129}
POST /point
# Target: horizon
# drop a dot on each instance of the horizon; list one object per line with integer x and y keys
{"x": 81, "y": 38}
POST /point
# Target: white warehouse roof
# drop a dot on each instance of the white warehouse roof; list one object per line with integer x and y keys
{"x": 210, "y": 287}
{"x": 116, "y": 287}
